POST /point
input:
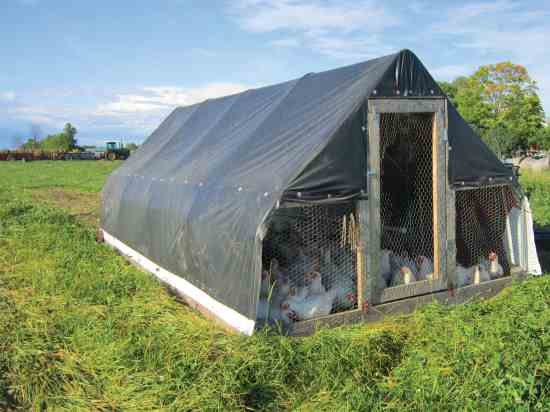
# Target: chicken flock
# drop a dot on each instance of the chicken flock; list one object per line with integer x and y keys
{"x": 313, "y": 286}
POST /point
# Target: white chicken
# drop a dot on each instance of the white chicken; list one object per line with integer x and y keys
{"x": 297, "y": 294}
{"x": 287, "y": 315}
{"x": 494, "y": 268}
{"x": 398, "y": 261}
{"x": 270, "y": 308}
{"x": 480, "y": 275}
{"x": 314, "y": 283}
{"x": 295, "y": 298}
{"x": 312, "y": 306}
{"x": 301, "y": 265}
{"x": 424, "y": 268}
{"x": 403, "y": 276}
{"x": 282, "y": 289}
{"x": 464, "y": 276}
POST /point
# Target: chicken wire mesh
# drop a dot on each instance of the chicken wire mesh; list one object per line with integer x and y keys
{"x": 406, "y": 197}
{"x": 309, "y": 260}
{"x": 481, "y": 216}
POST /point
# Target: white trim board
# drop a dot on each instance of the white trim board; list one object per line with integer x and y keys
{"x": 229, "y": 316}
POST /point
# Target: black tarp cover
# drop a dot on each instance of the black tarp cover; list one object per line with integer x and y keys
{"x": 194, "y": 196}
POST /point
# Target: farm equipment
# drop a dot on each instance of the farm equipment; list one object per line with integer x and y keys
{"x": 116, "y": 151}
{"x": 23, "y": 155}
{"x": 84, "y": 155}
{"x": 38, "y": 154}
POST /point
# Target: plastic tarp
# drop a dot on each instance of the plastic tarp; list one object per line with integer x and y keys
{"x": 194, "y": 196}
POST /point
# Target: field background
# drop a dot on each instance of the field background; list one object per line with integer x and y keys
{"x": 80, "y": 329}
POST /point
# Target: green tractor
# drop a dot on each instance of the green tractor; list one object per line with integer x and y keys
{"x": 116, "y": 151}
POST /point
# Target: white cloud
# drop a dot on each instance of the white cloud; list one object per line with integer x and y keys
{"x": 307, "y": 15}
{"x": 7, "y": 96}
{"x": 346, "y": 48}
{"x": 352, "y": 48}
{"x": 343, "y": 29}
{"x": 501, "y": 30}
{"x": 53, "y": 115}
{"x": 472, "y": 10}
{"x": 146, "y": 107}
{"x": 162, "y": 98}
{"x": 141, "y": 109}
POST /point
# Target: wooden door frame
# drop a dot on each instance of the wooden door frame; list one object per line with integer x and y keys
{"x": 443, "y": 201}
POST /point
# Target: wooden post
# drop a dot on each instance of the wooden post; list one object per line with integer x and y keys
{"x": 439, "y": 183}
{"x": 373, "y": 224}
{"x": 450, "y": 254}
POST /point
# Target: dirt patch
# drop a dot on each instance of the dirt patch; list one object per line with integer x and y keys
{"x": 84, "y": 206}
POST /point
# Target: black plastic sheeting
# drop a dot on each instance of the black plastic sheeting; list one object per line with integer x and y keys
{"x": 194, "y": 196}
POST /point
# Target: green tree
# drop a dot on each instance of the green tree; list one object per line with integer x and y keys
{"x": 131, "y": 146}
{"x": 70, "y": 132}
{"x": 542, "y": 138}
{"x": 31, "y": 143}
{"x": 61, "y": 141}
{"x": 500, "y": 101}
{"x": 450, "y": 89}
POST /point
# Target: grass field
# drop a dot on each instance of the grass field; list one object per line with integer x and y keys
{"x": 81, "y": 330}
{"x": 537, "y": 187}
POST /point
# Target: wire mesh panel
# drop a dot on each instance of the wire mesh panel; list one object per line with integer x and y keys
{"x": 480, "y": 232}
{"x": 309, "y": 262}
{"x": 406, "y": 197}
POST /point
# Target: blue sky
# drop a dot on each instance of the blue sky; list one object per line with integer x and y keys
{"x": 116, "y": 68}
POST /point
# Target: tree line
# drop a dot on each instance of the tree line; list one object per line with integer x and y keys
{"x": 501, "y": 103}
{"x": 63, "y": 141}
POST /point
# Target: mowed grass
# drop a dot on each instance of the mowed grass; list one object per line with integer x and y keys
{"x": 73, "y": 186}
{"x": 81, "y": 330}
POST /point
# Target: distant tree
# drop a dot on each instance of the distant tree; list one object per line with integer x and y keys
{"x": 449, "y": 88}
{"x": 500, "y": 101}
{"x": 31, "y": 144}
{"x": 70, "y": 132}
{"x": 58, "y": 141}
{"x": 131, "y": 146}
{"x": 61, "y": 141}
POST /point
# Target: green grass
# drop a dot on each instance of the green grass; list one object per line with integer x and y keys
{"x": 84, "y": 176}
{"x": 82, "y": 330}
{"x": 537, "y": 187}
